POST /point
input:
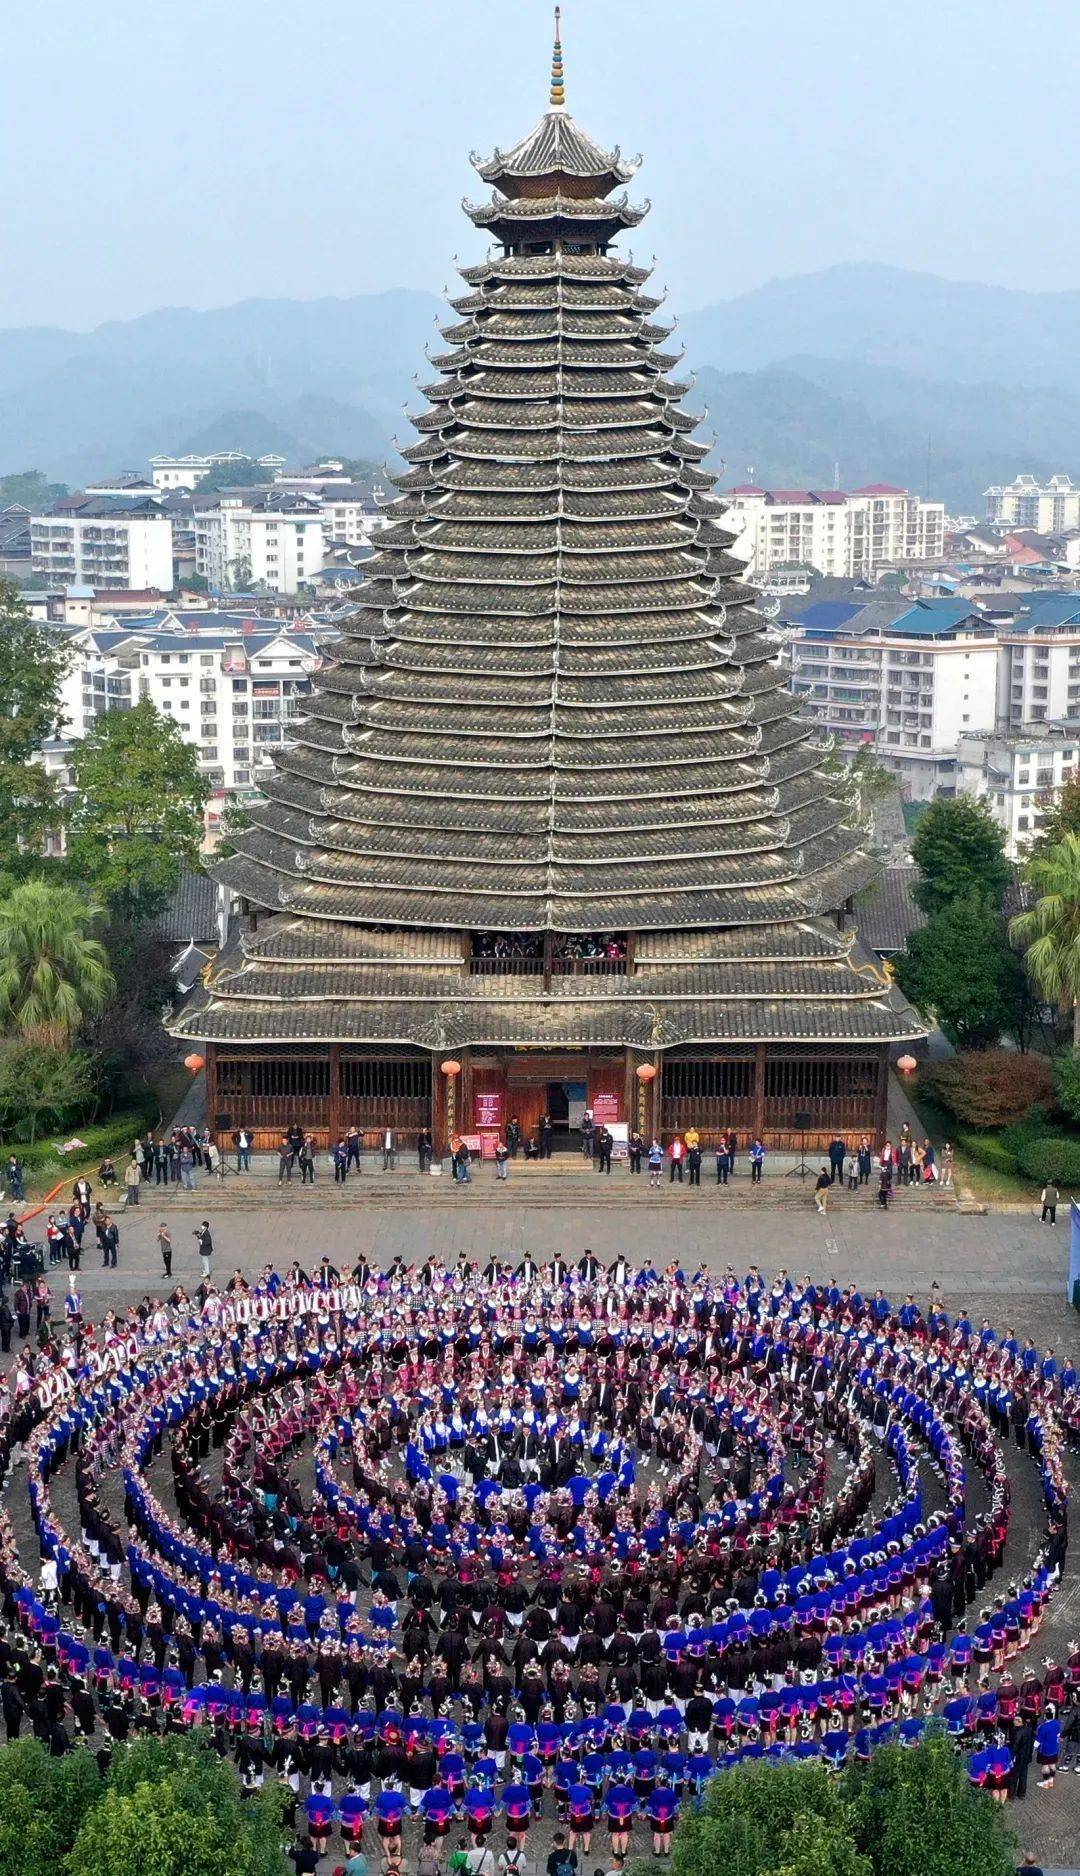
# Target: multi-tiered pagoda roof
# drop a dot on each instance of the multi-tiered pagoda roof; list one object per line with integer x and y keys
{"x": 556, "y": 708}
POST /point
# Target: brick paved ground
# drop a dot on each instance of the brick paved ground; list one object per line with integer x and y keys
{"x": 1006, "y": 1267}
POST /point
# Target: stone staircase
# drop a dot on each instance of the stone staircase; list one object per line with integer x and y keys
{"x": 565, "y": 1181}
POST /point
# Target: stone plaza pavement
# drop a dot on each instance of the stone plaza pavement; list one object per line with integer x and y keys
{"x": 908, "y": 1248}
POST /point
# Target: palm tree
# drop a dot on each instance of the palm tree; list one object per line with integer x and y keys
{"x": 53, "y": 972}
{"x": 1050, "y": 931}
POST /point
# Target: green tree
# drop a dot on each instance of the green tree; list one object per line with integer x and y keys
{"x": 53, "y": 971}
{"x": 44, "y": 1087}
{"x": 910, "y": 1812}
{"x": 43, "y": 1802}
{"x": 917, "y": 1815}
{"x": 860, "y": 780}
{"x": 1067, "y": 1085}
{"x": 172, "y": 1808}
{"x": 31, "y": 670}
{"x": 245, "y": 474}
{"x": 958, "y": 848}
{"x": 1049, "y": 932}
{"x": 764, "y": 1820}
{"x": 137, "y": 816}
{"x": 960, "y": 971}
{"x": 28, "y": 489}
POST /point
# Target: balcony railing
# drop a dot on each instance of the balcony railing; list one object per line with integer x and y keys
{"x": 506, "y": 967}
{"x": 588, "y": 967}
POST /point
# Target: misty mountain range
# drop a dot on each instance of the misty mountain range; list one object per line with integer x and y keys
{"x": 858, "y": 372}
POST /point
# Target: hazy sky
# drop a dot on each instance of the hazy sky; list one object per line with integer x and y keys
{"x": 202, "y": 153}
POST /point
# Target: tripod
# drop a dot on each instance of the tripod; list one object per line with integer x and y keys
{"x": 803, "y": 1123}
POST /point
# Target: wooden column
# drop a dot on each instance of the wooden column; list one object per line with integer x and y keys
{"x": 759, "y": 1090}
{"x": 438, "y": 1106}
{"x": 882, "y": 1115}
{"x": 465, "y": 1093}
{"x": 212, "y": 1093}
{"x": 335, "y": 1119}
{"x": 655, "y": 1097}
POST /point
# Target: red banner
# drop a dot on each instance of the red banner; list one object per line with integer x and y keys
{"x": 489, "y": 1109}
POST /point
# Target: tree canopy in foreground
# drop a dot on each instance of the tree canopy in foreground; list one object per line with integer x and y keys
{"x": 910, "y": 1812}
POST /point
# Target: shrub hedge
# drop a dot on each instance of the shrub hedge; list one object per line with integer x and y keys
{"x": 110, "y": 1137}
{"x": 986, "y": 1150}
{"x": 1052, "y": 1156}
{"x": 990, "y": 1087}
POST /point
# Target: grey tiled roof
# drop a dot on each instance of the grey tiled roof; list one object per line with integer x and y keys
{"x": 886, "y": 913}
{"x": 191, "y": 913}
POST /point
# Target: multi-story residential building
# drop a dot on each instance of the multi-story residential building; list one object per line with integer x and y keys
{"x": 1017, "y": 776}
{"x": 1039, "y": 669}
{"x": 845, "y": 536}
{"x": 266, "y": 537}
{"x": 906, "y": 680}
{"x": 233, "y": 684}
{"x": 14, "y": 540}
{"x": 101, "y": 542}
{"x": 1047, "y": 507}
{"x": 351, "y": 514}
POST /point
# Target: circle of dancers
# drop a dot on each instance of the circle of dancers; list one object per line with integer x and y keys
{"x": 472, "y": 1545}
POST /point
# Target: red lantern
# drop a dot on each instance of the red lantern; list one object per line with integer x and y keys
{"x": 450, "y": 1068}
{"x": 907, "y": 1064}
{"x": 195, "y": 1062}
{"x": 646, "y": 1072}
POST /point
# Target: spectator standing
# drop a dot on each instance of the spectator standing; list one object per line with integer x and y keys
{"x": 676, "y": 1154}
{"x": 110, "y": 1242}
{"x": 204, "y": 1244}
{"x": 132, "y": 1182}
{"x": 837, "y": 1153}
{"x": 656, "y": 1163}
{"x": 1049, "y": 1202}
{"x": 757, "y": 1161}
{"x": 164, "y": 1238}
{"x": 821, "y": 1191}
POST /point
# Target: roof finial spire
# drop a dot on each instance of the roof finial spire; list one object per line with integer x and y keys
{"x": 558, "y": 89}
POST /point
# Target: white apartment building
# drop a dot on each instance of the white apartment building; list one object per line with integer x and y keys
{"x": 179, "y": 472}
{"x": 904, "y": 680}
{"x": 232, "y": 684}
{"x": 844, "y": 536}
{"x": 351, "y": 517}
{"x": 186, "y": 472}
{"x": 86, "y": 541}
{"x": 1046, "y": 507}
{"x": 1018, "y": 776}
{"x": 259, "y": 537}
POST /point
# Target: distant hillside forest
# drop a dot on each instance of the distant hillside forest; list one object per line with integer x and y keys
{"x": 851, "y": 374}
